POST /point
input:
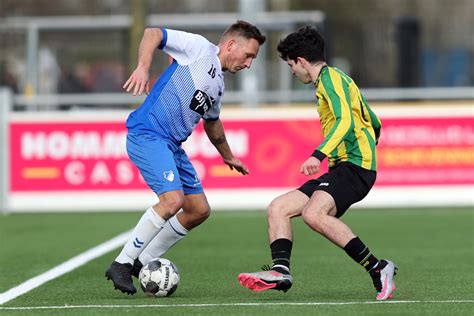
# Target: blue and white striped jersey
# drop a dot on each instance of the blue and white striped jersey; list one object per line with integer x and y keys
{"x": 189, "y": 89}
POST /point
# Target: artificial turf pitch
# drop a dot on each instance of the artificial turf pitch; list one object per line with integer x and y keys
{"x": 432, "y": 247}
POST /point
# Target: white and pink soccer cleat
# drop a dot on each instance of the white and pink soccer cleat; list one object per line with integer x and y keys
{"x": 266, "y": 280}
{"x": 383, "y": 280}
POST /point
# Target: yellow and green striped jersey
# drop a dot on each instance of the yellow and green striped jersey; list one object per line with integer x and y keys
{"x": 350, "y": 127}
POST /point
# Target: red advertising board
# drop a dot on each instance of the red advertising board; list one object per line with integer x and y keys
{"x": 426, "y": 151}
{"x": 85, "y": 156}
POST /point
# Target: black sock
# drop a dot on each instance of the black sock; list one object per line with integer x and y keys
{"x": 360, "y": 253}
{"x": 281, "y": 253}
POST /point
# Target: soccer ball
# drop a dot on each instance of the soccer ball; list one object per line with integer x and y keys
{"x": 159, "y": 277}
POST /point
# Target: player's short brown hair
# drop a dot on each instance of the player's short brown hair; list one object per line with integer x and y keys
{"x": 246, "y": 30}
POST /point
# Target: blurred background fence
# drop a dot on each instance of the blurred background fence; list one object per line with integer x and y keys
{"x": 68, "y": 46}
{"x": 68, "y": 57}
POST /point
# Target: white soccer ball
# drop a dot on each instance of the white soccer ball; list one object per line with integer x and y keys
{"x": 159, "y": 277}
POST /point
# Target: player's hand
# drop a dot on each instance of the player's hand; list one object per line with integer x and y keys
{"x": 139, "y": 81}
{"x": 238, "y": 165}
{"x": 310, "y": 166}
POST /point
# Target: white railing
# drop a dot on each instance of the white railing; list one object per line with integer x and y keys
{"x": 6, "y": 104}
{"x": 235, "y": 97}
{"x": 270, "y": 20}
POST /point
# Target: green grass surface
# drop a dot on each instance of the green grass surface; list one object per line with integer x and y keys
{"x": 432, "y": 247}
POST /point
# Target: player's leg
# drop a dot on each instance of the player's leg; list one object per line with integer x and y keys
{"x": 280, "y": 235}
{"x": 279, "y": 214}
{"x": 322, "y": 214}
{"x": 319, "y": 214}
{"x": 195, "y": 210}
{"x": 163, "y": 179}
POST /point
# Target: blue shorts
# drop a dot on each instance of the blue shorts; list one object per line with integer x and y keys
{"x": 163, "y": 164}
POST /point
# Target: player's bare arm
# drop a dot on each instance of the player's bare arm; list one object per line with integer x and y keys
{"x": 216, "y": 134}
{"x": 139, "y": 79}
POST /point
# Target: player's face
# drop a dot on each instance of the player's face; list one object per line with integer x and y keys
{"x": 299, "y": 72}
{"x": 241, "y": 54}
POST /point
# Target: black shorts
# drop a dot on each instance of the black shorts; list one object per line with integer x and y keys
{"x": 346, "y": 183}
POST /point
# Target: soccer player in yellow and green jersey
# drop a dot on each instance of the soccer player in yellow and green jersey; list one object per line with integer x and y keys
{"x": 350, "y": 127}
{"x": 351, "y": 131}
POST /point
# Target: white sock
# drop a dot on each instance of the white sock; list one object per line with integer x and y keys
{"x": 148, "y": 226}
{"x": 166, "y": 238}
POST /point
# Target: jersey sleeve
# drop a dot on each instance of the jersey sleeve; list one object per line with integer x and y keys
{"x": 184, "y": 47}
{"x": 374, "y": 120}
{"x": 341, "y": 110}
{"x": 214, "y": 111}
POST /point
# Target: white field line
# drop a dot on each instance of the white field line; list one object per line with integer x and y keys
{"x": 237, "y": 304}
{"x": 64, "y": 267}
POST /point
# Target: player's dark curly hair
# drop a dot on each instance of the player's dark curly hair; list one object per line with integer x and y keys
{"x": 246, "y": 30}
{"x": 307, "y": 42}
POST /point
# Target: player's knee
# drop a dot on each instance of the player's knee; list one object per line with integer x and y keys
{"x": 197, "y": 216}
{"x": 203, "y": 212}
{"x": 313, "y": 218}
{"x": 275, "y": 209}
{"x": 172, "y": 202}
{"x": 306, "y": 216}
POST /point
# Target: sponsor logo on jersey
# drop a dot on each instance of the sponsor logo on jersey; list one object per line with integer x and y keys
{"x": 324, "y": 184}
{"x": 201, "y": 102}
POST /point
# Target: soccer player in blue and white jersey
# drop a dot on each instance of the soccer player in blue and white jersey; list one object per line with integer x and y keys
{"x": 190, "y": 89}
